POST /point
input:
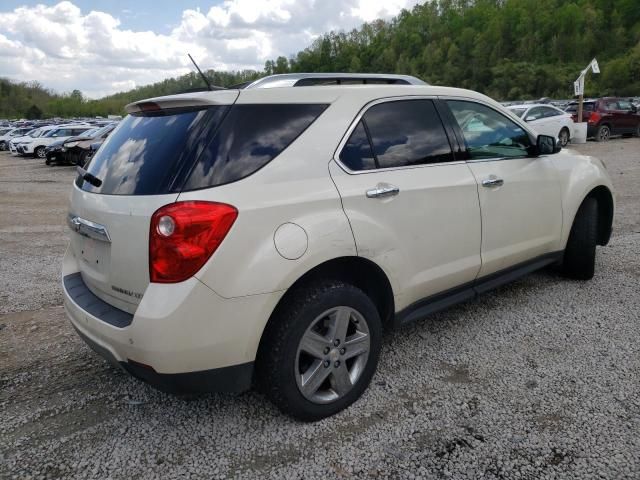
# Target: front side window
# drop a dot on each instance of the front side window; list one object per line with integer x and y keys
{"x": 624, "y": 105}
{"x": 488, "y": 133}
{"x": 519, "y": 112}
{"x": 536, "y": 113}
{"x": 551, "y": 112}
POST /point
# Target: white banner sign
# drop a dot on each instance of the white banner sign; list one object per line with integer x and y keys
{"x": 594, "y": 66}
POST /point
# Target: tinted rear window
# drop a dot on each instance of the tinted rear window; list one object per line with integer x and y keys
{"x": 170, "y": 151}
{"x": 249, "y": 138}
{"x": 586, "y": 106}
{"x": 153, "y": 153}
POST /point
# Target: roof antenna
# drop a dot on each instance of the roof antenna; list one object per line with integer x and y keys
{"x": 200, "y": 72}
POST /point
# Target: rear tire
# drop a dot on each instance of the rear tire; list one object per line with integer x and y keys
{"x": 637, "y": 132}
{"x": 564, "y": 137}
{"x": 580, "y": 254}
{"x": 340, "y": 324}
{"x": 603, "y": 134}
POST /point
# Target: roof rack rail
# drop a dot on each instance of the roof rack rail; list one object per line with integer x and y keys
{"x": 318, "y": 79}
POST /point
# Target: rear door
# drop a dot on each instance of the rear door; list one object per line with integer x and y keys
{"x": 412, "y": 205}
{"x": 519, "y": 195}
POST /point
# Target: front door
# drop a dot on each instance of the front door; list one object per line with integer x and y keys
{"x": 519, "y": 195}
{"x": 413, "y": 208}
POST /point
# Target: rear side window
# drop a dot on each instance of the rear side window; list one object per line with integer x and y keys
{"x": 402, "y": 133}
{"x": 249, "y": 138}
{"x": 357, "y": 153}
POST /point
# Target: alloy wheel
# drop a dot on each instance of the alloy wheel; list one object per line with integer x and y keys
{"x": 604, "y": 133}
{"x": 40, "y": 153}
{"x": 332, "y": 355}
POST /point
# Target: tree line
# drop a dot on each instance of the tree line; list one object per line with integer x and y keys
{"x": 508, "y": 49}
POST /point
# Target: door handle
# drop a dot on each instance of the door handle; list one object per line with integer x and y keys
{"x": 492, "y": 181}
{"x": 383, "y": 190}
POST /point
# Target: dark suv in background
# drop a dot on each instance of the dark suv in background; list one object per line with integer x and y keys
{"x": 608, "y": 116}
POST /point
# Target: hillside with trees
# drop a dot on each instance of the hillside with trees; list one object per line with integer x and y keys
{"x": 508, "y": 49}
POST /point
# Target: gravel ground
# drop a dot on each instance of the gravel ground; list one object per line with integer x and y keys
{"x": 539, "y": 379}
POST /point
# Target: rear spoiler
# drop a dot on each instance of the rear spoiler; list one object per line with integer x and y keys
{"x": 184, "y": 100}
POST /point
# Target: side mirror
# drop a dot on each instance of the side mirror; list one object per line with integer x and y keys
{"x": 547, "y": 145}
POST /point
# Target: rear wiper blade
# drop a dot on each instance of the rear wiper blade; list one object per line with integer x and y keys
{"x": 95, "y": 181}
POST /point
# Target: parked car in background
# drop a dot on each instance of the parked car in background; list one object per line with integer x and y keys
{"x": 16, "y": 143}
{"x": 267, "y": 235}
{"x": 77, "y": 150}
{"x": 12, "y": 133}
{"x": 608, "y": 116}
{"x": 546, "y": 120}
{"x": 37, "y": 146}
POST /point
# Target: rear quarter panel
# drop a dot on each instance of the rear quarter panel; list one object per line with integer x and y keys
{"x": 295, "y": 187}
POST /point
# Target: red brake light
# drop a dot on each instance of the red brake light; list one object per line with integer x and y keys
{"x": 594, "y": 117}
{"x": 183, "y": 237}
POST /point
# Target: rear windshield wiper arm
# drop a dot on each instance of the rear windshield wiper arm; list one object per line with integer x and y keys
{"x": 95, "y": 181}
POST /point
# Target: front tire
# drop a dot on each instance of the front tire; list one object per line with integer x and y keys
{"x": 320, "y": 350}
{"x": 603, "y": 134}
{"x": 580, "y": 254}
{"x": 564, "y": 137}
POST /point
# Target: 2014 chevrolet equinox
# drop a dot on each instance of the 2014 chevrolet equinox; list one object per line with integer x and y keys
{"x": 267, "y": 235}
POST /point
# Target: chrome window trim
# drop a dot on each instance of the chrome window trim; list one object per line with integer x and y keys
{"x": 354, "y": 124}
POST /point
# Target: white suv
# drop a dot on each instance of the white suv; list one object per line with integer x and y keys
{"x": 266, "y": 236}
{"x": 37, "y": 146}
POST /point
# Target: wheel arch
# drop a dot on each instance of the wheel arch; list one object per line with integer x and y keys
{"x": 604, "y": 197}
{"x": 358, "y": 271}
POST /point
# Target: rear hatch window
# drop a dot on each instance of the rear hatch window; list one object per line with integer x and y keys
{"x": 586, "y": 106}
{"x": 174, "y": 150}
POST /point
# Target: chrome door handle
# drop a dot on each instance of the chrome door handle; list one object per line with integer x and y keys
{"x": 383, "y": 190}
{"x": 492, "y": 181}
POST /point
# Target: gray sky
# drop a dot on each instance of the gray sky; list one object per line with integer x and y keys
{"x": 105, "y": 47}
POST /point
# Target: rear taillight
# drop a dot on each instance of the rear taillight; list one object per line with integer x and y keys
{"x": 183, "y": 237}
{"x": 594, "y": 117}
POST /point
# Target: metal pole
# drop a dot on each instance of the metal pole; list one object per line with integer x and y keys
{"x": 580, "y": 98}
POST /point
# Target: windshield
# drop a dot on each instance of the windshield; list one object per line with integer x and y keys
{"x": 35, "y": 133}
{"x": 518, "y": 111}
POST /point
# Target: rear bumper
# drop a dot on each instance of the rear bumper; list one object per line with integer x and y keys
{"x": 182, "y": 337}
{"x": 236, "y": 378}
{"x": 591, "y": 131}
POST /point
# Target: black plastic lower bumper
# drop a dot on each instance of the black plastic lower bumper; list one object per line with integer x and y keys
{"x": 236, "y": 378}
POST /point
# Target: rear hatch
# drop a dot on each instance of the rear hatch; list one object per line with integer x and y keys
{"x": 141, "y": 167}
{"x": 164, "y": 147}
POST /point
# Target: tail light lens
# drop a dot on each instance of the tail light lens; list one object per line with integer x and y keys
{"x": 183, "y": 237}
{"x": 594, "y": 117}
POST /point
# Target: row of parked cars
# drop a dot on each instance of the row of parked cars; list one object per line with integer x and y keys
{"x": 605, "y": 117}
{"x": 72, "y": 143}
